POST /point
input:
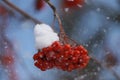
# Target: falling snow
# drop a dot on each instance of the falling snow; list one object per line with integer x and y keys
{"x": 95, "y": 25}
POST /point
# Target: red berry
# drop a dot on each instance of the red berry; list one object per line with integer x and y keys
{"x": 37, "y": 64}
{"x": 56, "y": 43}
{"x": 43, "y": 68}
{"x": 36, "y": 57}
{"x": 70, "y": 67}
{"x": 66, "y": 54}
{"x": 74, "y": 59}
{"x": 67, "y": 47}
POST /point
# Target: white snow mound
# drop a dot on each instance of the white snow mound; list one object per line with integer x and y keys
{"x": 44, "y": 36}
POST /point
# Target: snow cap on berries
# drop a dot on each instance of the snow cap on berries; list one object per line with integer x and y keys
{"x": 44, "y": 36}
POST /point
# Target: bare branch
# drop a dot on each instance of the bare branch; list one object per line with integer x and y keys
{"x": 104, "y": 66}
{"x": 21, "y": 11}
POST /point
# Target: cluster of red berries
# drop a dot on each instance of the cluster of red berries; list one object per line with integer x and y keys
{"x": 61, "y": 56}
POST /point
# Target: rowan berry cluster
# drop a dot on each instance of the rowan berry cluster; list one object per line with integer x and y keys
{"x": 61, "y": 56}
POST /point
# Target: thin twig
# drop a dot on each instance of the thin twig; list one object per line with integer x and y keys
{"x": 104, "y": 66}
{"x": 52, "y": 25}
{"x": 56, "y": 15}
{"x": 21, "y": 11}
{"x": 62, "y": 33}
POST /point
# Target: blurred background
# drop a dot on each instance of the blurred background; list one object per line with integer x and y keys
{"x": 93, "y": 23}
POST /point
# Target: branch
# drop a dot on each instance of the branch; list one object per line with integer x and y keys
{"x": 56, "y": 15}
{"x": 21, "y": 12}
{"x": 104, "y": 66}
{"x": 63, "y": 37}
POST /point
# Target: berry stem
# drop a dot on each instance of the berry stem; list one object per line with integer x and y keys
{"x": 63, "y": 37}
{"x": 56, "y": 15}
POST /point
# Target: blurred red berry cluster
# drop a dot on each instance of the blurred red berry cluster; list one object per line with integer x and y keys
{"x": 3, "y": 11}
{"x": 73, "y": 3}
{"x": 39, "y": 4}
{"x": 7, "y": 59}
{"x": 61, "y": 56}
